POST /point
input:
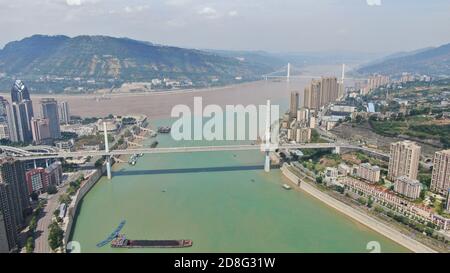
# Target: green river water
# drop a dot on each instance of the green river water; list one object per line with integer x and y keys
{"x": 223, "y": 201}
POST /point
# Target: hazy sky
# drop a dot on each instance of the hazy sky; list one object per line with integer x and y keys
{"x": 273, "y": 25}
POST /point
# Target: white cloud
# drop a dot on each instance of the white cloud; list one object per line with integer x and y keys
{"x": 374, "y": 2}
{"x": 129, "y": 9}
{"x": 233, "y": 13}
{"x": 74, "y": 2}
{"x": 208, "y": 12}
{"x": 177, "y": 3}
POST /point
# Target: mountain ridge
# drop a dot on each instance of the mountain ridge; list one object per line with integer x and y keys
{"x": 106, "y": 58}
{"x": 433, "y": 61}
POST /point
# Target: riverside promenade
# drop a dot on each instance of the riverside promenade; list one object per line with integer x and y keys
{"x": 362, "y": 218}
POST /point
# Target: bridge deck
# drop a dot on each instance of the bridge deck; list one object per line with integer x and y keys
{"x": 190, "y": 150}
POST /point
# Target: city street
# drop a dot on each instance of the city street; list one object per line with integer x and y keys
{"x": 42, "y": 232}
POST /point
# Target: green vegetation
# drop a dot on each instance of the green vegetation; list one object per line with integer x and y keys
{"x": 29, "y": 245}
{"x": 74, "y": 186}
{"x": 315, "y": 137}
{"x": 52, "y": 189}
{"x": 414, "y": 126}
{"x": 319, "y": 179}
{"x": 119, "y": 60}
{"x": 55, "y": 237}
{"x": 68, "y": 135}
{"x": 68, "y": 167}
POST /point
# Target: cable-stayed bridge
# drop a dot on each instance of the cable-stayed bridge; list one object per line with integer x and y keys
{"x": 289, "y": 72}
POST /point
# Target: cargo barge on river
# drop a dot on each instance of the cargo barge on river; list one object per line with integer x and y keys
{"x": 122, "y": 242}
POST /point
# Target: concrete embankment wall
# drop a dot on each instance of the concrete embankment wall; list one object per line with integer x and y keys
{"x": 84, "y": 189}
{"x": 357, "y": 215}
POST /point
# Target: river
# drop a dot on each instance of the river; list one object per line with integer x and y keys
{"x": 223, "y": 201}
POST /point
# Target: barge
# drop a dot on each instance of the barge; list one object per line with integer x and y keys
{"x": 122, "y": 242}
{"x": 164, "y": 129}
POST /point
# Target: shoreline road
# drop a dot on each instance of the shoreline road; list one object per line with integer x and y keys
{"x": 41, "y": 241}
{"x": 362, "y": 218}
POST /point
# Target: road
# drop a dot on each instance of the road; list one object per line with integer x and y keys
{"x": 42, "y": 232}
{"x": 189, "y": 150}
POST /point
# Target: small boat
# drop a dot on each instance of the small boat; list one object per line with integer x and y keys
{"x": 164, "y": 190}
{"x": 286, "y": 187}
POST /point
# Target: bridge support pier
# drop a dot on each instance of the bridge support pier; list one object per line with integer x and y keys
{"x": 108, "y": 167}
{"x": 108, "y": 157}
{"x": 337, "y": 150}
{"x": 267, "y": 163}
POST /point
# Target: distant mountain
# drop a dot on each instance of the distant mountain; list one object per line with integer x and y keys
{"x": 107, "y": 59}
{"x": 434, "y": 61}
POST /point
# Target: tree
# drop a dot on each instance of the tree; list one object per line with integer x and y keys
{"x": 30, "y": 244}
{"x": 34, "y": 196}
{"x": 65, "y": 199}
{"x": 51, "y": 189}
{"x": 55, "y": 237}
{"x": 319, "y": 179}
{"x": 56, "y": 213}
{"x": 422, "y": 194}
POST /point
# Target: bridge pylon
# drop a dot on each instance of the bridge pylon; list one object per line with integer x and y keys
{"x": 288, "y": 76}
{"x": 108, "y": 158}
{"x": 267, "y": 139}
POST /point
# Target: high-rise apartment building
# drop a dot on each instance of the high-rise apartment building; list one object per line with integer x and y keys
{"x": 440, "y": 179}
{"x": 321, "y": 92}
{"x": 448, "y": 200}
{"x": 40, "y": 129}
{"x": 50, "y": 112}
{"x": 4, "y": 242}
{"x": 294, "y": 105}
{"x": 22, "y": 112}
{"x": 303, "y": 135}
{"x": 39, "y": 179}
{"x": 369, "y": 173}
{"x": 12, "y": 173}
{"x": 404, "y": 160}
{"x": 408, "y": 187}
{"x": 7, "y": 125}
{"x": 64, "y": 112}
{"x": 13, "y": 201}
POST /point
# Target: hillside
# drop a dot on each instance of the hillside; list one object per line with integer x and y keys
{"x": 431, "y": 61}
{"x": 52, "y": 61}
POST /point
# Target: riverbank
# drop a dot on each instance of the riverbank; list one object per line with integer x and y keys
{"x": 73, "y": 207}
{"x": 366, "y": 220}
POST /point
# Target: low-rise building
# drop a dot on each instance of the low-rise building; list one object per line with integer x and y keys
{"x": 65, "y": 145}
{"x": 344, "y": 169}
{"x": 112, "y": 125}
{"x": 80, "y": 129}
{"x": 407, "y": 187}
{"x": 331, "y": 174}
